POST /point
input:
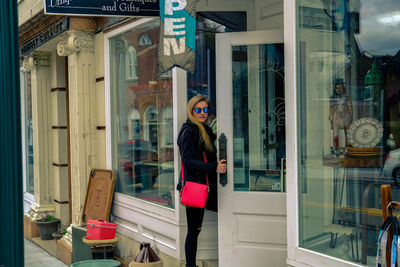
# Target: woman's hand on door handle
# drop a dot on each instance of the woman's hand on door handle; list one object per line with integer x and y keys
{"x": 221, "y": 168}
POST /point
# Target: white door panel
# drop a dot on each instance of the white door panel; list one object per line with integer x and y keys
{"x": 250, "y": 108}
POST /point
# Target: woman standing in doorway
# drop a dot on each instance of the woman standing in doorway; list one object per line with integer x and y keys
{"x": 195, "y": 140}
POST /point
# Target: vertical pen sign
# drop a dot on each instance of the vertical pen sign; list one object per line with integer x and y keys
{"x": 177, "y": 35}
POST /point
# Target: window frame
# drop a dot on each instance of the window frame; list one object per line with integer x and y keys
{"x": 144, "y": 40}
{"x": 131, "y": 55}
{"x": 297, "y": 256}
{"x": 164, "y": 126}
{"x": 28, "y": 197}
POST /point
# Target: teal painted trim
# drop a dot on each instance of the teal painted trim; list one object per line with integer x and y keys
{"x": 11, "y": 195}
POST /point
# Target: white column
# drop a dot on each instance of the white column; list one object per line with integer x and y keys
{"x": 79, "y": 47}
{"x": 59, "y": 158}
{"x": 38, "y": 63}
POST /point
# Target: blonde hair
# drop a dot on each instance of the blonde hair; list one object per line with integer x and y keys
{"x": 203, "y": 133}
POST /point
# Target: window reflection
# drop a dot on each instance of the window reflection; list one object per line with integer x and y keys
{"x": 28, "y": 132}
{"x": 141, "y": 117}
{"x": 348, "y": 89}
{"x": 379, "y": 21}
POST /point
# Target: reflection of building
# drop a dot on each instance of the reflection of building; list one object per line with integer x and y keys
{"x": 143, "y": 108}
{"x": 97, "y": 102}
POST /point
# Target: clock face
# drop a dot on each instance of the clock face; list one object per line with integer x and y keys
{"x": 365, "y": 132}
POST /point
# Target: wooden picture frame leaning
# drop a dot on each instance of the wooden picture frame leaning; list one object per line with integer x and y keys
{"x": 99, "y": 195}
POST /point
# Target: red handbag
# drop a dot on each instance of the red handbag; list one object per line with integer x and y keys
{"x": 194, "y": 194}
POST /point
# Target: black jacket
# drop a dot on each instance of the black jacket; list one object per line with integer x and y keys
{"x": 195, "y": 169}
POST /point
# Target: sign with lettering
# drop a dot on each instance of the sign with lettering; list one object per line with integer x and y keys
{"x": 125, "y": 8}
{"x": 46, "y": 35}
{"x": 315, "y": 18}
{"x": 177, "y": 35}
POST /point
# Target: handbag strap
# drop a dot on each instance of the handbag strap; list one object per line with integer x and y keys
{"x": 182, "y": 173}
{"x": 394, "y": 223}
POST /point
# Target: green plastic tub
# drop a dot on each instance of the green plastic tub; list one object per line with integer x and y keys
{"x": 97, "y": 263}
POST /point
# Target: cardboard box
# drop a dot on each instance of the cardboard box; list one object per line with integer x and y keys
{"x": 30, "y": 228}
{"x": 64, "y": 252}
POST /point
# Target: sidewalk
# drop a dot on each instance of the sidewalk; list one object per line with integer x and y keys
{"x": 36, "y": 256}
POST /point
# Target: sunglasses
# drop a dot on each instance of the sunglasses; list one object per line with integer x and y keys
{"x": 198, "y": 110}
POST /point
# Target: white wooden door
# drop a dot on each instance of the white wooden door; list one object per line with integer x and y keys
{"x": 251, "y": 114}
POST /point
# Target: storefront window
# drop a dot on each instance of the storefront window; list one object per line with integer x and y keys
{"x": 348, "y": 105}
{"x": 141, "y": 117}
{"x": 28, "y": 132}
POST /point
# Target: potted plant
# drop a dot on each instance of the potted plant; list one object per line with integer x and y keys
{"x": 47, "y": 225}
{"x": 60, "y": 233}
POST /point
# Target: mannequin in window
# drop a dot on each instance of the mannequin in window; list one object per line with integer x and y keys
{"x": 340, "y": 115}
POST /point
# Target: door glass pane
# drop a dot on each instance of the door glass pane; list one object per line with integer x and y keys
{"x": 258, "y": 118}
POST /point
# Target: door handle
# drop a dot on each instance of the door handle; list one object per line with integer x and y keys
{"x": 223, "y": 178}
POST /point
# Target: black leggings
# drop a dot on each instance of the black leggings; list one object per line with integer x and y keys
{"x": 194, "y": 217}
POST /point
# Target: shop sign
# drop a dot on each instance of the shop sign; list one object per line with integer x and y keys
{"x": 177, "y": 35}
{"x": 124, "y": 8}
{"x": 46, "y": 35}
